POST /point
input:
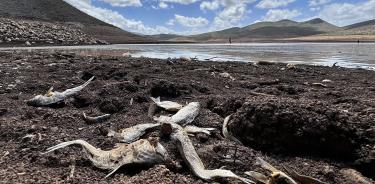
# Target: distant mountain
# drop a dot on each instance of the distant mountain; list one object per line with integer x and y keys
{"x": 60, "y": 11}
{"x": 361, "y": 24}
{"x": 164, "y": 36}
{"x": 362, "y": 28}
{"x": 266, "y": 31}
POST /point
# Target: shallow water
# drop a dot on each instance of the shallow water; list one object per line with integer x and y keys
{"x": 352, "y": 55}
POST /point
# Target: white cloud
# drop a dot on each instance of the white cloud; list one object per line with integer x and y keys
{"x": 343, "y": 14}
{"x": 124, "y": 3}
{"x": 192, "y": 22}
{"x": 228, "y": 12}
{"x": 163, "y": 5}
{"x": 280, "y": 14}
{"x": 230, "y": 16}
{"x": 115, "y": 18}
{"x": 207, "y": 5}
{"x": 180, "y": 1}
{"x": 318, "y": 2}
{"x": 269, "y": 4}
{"x": 315, "y": 8}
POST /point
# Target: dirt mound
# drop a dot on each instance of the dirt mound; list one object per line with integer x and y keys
{"x": 304, "y": 127}
{"x": 293, "y": 128}
{"x": 296, "y": 126}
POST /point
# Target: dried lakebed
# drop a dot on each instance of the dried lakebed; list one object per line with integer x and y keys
{"x": 278, "y": 112}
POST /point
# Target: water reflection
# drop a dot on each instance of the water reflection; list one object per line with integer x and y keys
{"x": 351, "y": 55}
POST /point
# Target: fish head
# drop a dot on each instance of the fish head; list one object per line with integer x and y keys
{"x": 161, "y": 151}
{"x": 36, "y": 101}
{"x": 194, "y": 104}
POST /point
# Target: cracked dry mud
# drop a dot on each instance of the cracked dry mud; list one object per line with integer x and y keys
{"x": 318, "y": 131}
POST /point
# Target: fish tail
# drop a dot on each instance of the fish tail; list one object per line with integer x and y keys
{"x": 87, "y": 82}
{"x": 155, "y": 100}
{"x": 83, "y": 143}
{"x": 111, "y": 133}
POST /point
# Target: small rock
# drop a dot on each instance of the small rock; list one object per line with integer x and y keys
{"x": 126, "y": 54}
{"x": 226, "y": 75}
{"x": 290, "y": 66}
{"x": 27, "y": 43}
{"x": 186, "y": 59}
{"x": 54, "y": 129}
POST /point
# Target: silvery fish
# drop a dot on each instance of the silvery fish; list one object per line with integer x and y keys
{"x": 54, "y": 97}
{"x": 133, "y": 133}
{"x": 167, "y": 105}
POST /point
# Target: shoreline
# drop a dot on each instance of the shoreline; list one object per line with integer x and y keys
{"x": 295, "y": 104}
{"x": 22, "y": 44}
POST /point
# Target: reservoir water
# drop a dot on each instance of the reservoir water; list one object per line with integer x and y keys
{"x": 352, "y": 55}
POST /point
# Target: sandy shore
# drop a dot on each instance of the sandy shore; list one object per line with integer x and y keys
{"x": 278, "y": 113}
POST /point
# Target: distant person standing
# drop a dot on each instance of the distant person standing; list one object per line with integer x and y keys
{"x": 230, "y": 40}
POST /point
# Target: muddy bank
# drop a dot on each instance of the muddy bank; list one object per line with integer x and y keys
{"x": 278, "y": 113}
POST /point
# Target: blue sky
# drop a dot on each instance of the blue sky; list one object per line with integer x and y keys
{"x": 198, "y": 16}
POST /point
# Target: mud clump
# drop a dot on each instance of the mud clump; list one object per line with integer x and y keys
{"x": 224, "y": 107}
{"x": 111, "y": 106}
{"x": 81, "y": 101}
{"x": 286, "y": 125}
{"x": 168, "y": 89}
{"x": 3, "y": 111}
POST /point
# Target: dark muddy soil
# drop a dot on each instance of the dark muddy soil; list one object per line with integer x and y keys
{"x": 278, "y": 113}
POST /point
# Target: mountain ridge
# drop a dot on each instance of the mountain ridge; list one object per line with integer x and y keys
{"x": 281, "y": 30}
{"x": 61, "y": 11}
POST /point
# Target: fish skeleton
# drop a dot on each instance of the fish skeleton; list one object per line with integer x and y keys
{"x": 167, "y": 105}
{"x": 140, "y": 152}
{"x": 97, "y": 119}
{"x": 190, "y": 156}
{"x": 275, "y": 173}
{"x": 195, "y": 129}
{"x": 133, "y": 133}
{"x": 226, "y": 133}
{"x": 302, "y": 178}
{"x": 53, "y": 97}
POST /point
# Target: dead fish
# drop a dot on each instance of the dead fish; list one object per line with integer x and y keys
{"x": 226, "y": 133}
{"x": 167, "y": 105}
{"x": 97, "y": 119}
{"x": 140, "y": 152}
{"x": 184, "y": 116}
{"x": 190, "y": 156}
{"x": 54, "y": 97}
{"x": 303, "y": 179}
{"x": 187, "y": 114}
{"x": 275, "y": 173}
{"x": 355, "y": 176}
{"x": 195, "y": 129}
{"x": 259, "y": 176}
{"x": 133, "y": 133}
